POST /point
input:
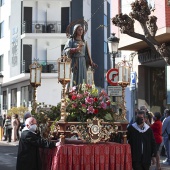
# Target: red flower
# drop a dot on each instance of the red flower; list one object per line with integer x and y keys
{"x": 74, "y": 97}
{"x": 95, "y": 111}
{"x": 83, "y": 105}
{"x": 108, "y": 103}
{"x": 95, "y": 99}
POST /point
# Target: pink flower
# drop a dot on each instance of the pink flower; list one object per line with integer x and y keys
{"x": 103, "y": 92}
{"x": 86, "y": 93}
{"x": 79, "y": 96}
{"x": 72, "y": 89}
{"x": 90, "y": 109}
{"x": 89, "y": 100}
{"x": 74, "y": 105}
{"x": 101, "y": 98}
{"x": 103, "y": 105}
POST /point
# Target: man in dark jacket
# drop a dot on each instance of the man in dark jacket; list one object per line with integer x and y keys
{"x": 142, "y": 142}
{"x": 28, "y": 157}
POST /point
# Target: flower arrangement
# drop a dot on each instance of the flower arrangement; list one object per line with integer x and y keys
{"x": 85, "y": 101}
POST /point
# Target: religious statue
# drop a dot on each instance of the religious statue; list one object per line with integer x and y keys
{"x": 77, "y": 49}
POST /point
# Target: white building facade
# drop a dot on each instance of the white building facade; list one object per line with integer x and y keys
{"x": 36, "y": 29}
{"x": 31, "y": 30}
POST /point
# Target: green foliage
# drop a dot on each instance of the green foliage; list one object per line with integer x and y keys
{"x": 17, "y": 110}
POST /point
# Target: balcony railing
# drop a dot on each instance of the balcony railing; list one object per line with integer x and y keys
{"x": 41, "y": 27}
{"x": 25, "y": 104}
{"x": 49, "y": 66}
{"x": 5, "y": 107}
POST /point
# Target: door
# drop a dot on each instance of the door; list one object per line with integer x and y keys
{"x": 64, "y": 19}
{"x": 28, "y": 19}
{"x": 27, "y": 56}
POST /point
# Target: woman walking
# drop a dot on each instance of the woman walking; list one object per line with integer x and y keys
{"x": 16, "y": 124}
{"x": 157, "y": 131}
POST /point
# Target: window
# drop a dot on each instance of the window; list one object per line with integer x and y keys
{"x": 2, "y": 29}
{"x": 105, "y": 20}
{"x": 2, "y": 2}
{"x": 1, "y": 62}
{"x": 4, "y": 100}
{"x": 25, "y": 96}
{"x": 62, "y": 47}
{"x": 105, "y": 47}
{"x": 14, "y": 97}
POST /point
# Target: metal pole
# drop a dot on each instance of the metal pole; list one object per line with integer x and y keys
{"x": 113, "y": 60}
{"x": 113, "y": 56}
{"x": 133, "y": 104}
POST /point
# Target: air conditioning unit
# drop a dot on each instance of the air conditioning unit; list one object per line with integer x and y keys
{"x": 38, "y": 28}
{"x": 50, "y": 28}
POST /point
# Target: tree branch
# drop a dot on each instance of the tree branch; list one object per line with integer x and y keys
{"x": 141, "y": 12}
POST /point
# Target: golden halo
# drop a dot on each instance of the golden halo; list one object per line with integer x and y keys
{"x": 78, "y": 21}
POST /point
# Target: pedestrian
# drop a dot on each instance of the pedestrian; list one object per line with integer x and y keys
{"x": 164, "y": 114}
{"x": 8, "y": 127}
{"x": 142, "y": 142}
{"x": 26, "y": 115}
{"x": 28, "y": 157}
{"x": 163, "y": 152}
{"x": 157, "y": 131}
{"x": 77, "y": 49}
{"x": 16, "y": 124}
{"x": 148, "y": 115}
{"x": 4, "y": 119}
{"x": 166, "y": 139}
{"x": 4, "y": 129}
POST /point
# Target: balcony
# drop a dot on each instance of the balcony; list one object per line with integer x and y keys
{"x": 43, "y": 27}
{"x": 49, "y": 66}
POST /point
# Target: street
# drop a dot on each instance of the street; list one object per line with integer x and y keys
{"x": 8, "y": 156}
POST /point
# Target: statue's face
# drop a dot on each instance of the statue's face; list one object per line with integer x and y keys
{"x": 79, "y": 31}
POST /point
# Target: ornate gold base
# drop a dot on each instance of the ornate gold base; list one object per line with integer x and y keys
{"x": 96, "y": 130}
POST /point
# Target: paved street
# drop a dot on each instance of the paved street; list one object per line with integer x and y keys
{"x": 163, "y": 167}
{"x": 8, "y": 156}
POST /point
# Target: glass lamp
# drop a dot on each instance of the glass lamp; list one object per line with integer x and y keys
{"x": 124, "y": 68}
{"x": 35, "y": 81}
{"x": 64, "y": 76}
{"x": 113, "y": 43}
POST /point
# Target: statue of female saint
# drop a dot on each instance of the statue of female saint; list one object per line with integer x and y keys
{"x": 76, "y": 48}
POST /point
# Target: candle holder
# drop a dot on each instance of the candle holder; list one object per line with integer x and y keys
{"x": 64, "y": 74}
{"x": 35, "y": 81}
{"x": 124, "y": 68}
